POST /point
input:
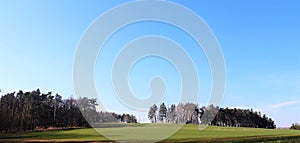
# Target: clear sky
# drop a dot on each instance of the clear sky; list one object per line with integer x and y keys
{"x": 260, "y": 41}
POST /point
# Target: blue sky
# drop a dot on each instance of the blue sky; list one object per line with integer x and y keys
{"x": 259, "y": 40}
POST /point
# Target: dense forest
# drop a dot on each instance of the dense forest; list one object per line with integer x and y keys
{"x": 23, "y": 111}
{"x": 191, "y": 113}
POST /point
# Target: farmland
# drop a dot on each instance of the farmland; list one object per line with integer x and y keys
{"x": 188, "y": 133}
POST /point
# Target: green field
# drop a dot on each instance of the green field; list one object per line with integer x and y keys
{"x": 189, "y": 133}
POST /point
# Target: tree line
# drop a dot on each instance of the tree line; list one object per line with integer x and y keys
{"x": 24, "y": 111}
{"x": 295, "y": 126}
{"x": 191, "y": 113}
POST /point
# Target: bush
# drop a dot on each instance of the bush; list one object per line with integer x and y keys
{"x": 295, "y": 126}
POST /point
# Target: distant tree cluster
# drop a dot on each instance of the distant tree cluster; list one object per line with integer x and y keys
{"x": 180, "y": 114}
{"x": 242, "y": 118}
{"x": 108, "y": 117}
{"x": 191, "y": 113}
{"x": 25, "y": 111}
{"x": 295, "y": 126}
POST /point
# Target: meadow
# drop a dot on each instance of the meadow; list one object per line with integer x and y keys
{"x": 188, "y": 133}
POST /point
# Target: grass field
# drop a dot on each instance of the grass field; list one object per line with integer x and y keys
{"x": 188, "y": 133}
